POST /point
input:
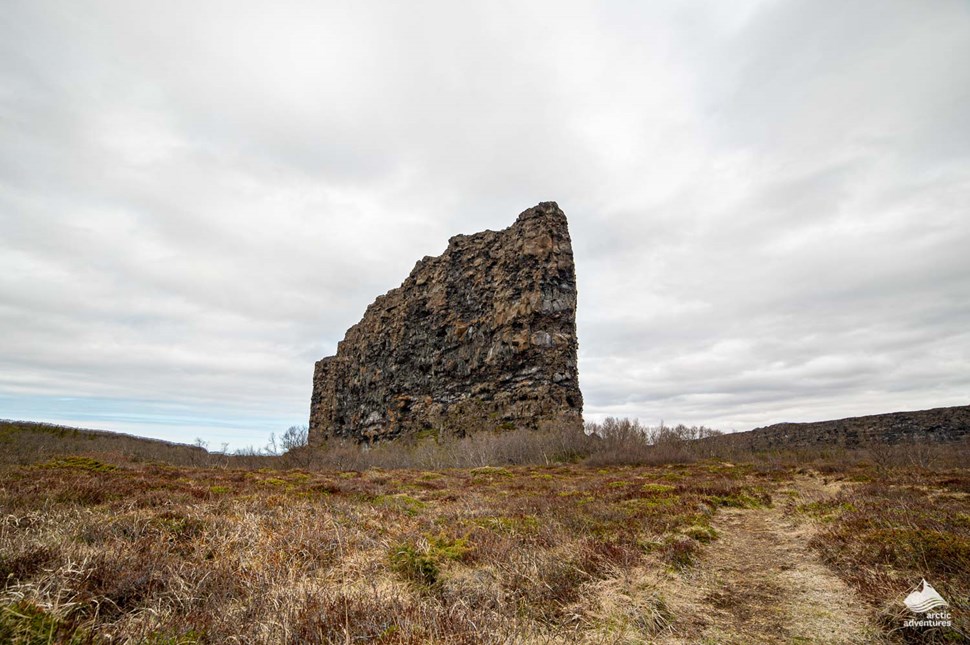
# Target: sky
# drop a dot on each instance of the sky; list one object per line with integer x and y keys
{"x": 769, "y": 200}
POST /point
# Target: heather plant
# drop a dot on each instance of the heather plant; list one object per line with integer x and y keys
{"x": 528, "y": 536}
{"x": 147, "y": 553}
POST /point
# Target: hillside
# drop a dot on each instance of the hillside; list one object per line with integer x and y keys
{"x": 26, "y": 442}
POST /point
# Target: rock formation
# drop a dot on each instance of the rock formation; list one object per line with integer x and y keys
{"x": 480, "y": 337}
{"x": 936, "y": 425}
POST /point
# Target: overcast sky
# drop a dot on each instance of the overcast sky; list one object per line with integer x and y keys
{"x": 769, "y": 201}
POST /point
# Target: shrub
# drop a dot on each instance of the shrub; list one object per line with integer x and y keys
{"x": 421, "y": 561}
{"x": 680, "y": 552}
{"x": 414, "y": 564}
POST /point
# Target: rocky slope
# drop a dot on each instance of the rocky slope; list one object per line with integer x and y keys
{"x": 938, "y": 424}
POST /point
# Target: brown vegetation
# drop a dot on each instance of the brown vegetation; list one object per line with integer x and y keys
{"x": 167, "y": 554}
{"x": 506, "y": 537}
{"x": 887, "y": 527}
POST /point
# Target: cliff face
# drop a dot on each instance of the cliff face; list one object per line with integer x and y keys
{"x": 480, "y": 337}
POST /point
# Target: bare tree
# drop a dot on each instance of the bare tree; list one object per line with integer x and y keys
{"x": 294, "y": 437}
{"x": 272, "y": 447}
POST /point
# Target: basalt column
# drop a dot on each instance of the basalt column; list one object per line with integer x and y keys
{"x": 481, "y": 337}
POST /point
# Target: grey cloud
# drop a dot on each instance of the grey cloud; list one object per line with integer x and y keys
{"x": 767, "y": 199}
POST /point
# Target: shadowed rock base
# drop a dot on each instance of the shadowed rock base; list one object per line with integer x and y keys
{"x": 481, "y": 337}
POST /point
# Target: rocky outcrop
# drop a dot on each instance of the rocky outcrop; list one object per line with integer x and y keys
{"x": 938, "y": 424}
{"x": 480, "y": 337}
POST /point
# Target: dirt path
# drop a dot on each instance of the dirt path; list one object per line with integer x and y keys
{"x": 761, "y": 583}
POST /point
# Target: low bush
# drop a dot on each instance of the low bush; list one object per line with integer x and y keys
{"x": 421, "y": 561}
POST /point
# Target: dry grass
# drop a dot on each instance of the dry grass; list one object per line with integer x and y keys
{"x": 178, "y": 555}
{"x": 509, "y": 537}
{"x": 760, "y": 582}
{"x": 886, "y": 529}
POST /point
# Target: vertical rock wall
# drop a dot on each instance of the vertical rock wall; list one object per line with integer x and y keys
{"x": 480, "y": 337}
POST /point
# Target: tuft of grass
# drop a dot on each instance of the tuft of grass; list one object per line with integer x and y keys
{"x": 527, "y": 524}
{"x": 648, "y": 505}
{"x": 410, "y": 506}
{"x": 80, "y": 463}
{"x": 24, "y": 623}
{"x": 178, "y": 637}
{"x": 703, "y": 534}
{"x": 177, "y": 527}
{"x": 490, "y": 472}
{"x": 421, "y": 561}
{"x": 825, "y": 510}
{"x": 680, "y": 552}
{"x": 414, "y": 564}
{"x": 28, "y": 560}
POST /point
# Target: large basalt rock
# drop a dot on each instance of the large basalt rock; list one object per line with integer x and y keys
{"x": 480, "y": 337}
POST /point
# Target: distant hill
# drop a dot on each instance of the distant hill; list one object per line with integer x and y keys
{"x": 26, "y": 442}
{"x": 936, "y": 425}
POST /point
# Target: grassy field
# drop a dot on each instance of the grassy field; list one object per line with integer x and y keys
{"x": 94, "y": 550}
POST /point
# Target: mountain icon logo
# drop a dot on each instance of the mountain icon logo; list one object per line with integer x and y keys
{"x": 924, "y": 599}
